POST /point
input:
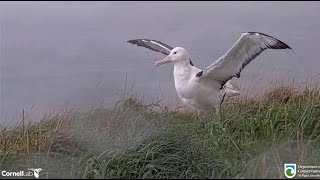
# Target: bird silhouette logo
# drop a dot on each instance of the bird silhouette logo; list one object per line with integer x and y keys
{"x": 36, "y": 171}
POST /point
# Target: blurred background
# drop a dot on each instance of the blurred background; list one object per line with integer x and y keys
{"x": 55, "y": 54}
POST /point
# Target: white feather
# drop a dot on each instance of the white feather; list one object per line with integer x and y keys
{"x": 247, "y": 48}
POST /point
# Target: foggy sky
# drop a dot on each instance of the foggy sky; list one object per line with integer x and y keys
{"x": 76, "y": 52}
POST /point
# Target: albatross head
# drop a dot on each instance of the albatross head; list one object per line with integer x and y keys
{"x": 177, "y": 55}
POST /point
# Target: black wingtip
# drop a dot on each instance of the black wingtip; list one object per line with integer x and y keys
{"x": 288, "y": 47}
{"x": 279, "y": 45}
{"x": 131, "y": 41}
{"x": 282, "y": 45}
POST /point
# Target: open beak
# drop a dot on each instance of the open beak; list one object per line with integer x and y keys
{"x": 163, "y": 61}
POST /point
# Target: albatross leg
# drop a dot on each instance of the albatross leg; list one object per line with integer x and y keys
{"x": 200, "y": 114}
{"x": 217, "y": 111}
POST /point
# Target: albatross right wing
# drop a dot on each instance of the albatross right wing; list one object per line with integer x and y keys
{"x": 246, "y": 49}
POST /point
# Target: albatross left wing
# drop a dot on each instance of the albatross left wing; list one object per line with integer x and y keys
{"x": 154, "y": 45}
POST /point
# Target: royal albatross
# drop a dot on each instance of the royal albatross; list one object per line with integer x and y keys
{"x": 206, "y": 89}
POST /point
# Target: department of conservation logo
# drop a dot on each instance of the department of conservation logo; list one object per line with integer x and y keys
{"x": 290, "y": 170}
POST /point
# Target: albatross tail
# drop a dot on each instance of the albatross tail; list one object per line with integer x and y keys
{"x": 230, "y": 90}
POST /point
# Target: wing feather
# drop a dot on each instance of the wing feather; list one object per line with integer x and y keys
{"x": 154, "y": 45}
{"x": 246, "y": 49}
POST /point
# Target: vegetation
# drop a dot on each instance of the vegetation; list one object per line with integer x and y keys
{"x": 252, "y": 138}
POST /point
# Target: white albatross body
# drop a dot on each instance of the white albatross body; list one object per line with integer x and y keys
{"x": 199, "y": 93}
{"x": 207, "y": 89}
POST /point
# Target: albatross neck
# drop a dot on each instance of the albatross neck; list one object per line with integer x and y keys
{"x": 182, "y": 68}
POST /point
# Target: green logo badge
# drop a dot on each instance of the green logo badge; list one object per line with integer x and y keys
{"x": 290, "y": 170}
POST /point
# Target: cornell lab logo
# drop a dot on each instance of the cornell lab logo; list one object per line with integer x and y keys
{"x": 290, "y": 170}
{"x": 36, "y": 171}
{"x": 31, "y": 172}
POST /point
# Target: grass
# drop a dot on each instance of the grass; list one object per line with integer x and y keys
{"x": 252, "y": 138}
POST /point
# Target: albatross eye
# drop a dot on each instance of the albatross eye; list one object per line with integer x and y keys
{"x": 175, "y": 52}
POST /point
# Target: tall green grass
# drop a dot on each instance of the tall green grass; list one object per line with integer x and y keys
{"x": 252, "y": 138}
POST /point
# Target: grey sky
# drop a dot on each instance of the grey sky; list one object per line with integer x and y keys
{"x": 53, "y": 52}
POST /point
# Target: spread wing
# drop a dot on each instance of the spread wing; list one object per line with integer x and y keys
{"x": 246, "y": 49}
{"x": 154, "y": 45}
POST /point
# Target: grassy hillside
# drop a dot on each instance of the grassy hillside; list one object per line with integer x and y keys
{"x": 252, "y": 138}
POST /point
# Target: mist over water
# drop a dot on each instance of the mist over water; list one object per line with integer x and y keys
{"x": 75, "y": 53}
